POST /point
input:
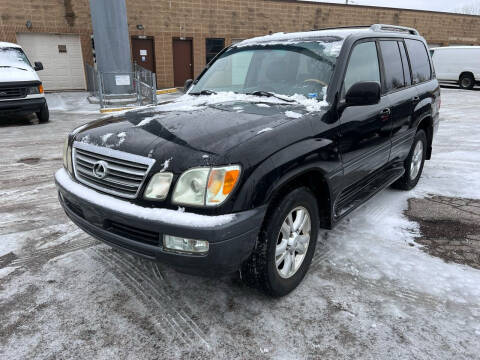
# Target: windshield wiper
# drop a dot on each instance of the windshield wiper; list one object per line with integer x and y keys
{"x": 268, "y": 94}
{"x": 15, "y": 67}
{"x": 204, "y": 92}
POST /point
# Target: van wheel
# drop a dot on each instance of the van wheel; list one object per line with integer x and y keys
{"x": 414, "y": 163}
{"x": 43, "y": 115}
{"x": 467, "y": 81}
{"x": 285, "y": 245}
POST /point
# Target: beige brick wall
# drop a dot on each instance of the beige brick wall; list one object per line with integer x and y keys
{"x": 200, "y": 19}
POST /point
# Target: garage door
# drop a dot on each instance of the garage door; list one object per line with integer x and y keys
{"x": 61, "y": 56}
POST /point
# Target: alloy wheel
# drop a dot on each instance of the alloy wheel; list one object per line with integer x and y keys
{"x": 292, "y": 242}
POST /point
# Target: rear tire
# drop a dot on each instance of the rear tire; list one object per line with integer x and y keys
{"x": 43, "y": 115}
{"x": 467, "y": 82}
{"x": 414, "y": 163}
{"x": 265, "y": 269}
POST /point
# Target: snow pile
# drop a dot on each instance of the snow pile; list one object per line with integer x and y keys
{"x": 293, "y": 114}
{"x": 73, "y": 102}
{"x": 124, "y": 207}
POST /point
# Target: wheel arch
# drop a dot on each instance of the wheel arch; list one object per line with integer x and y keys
{"x": 466, "y": 73}
{"x": 426, "y": 124}
{"x": 316, "y": 181}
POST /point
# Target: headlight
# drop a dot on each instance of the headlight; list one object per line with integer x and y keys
{"x": 34, "y": 90}
{"x": 206, "y": 186}
{"x": 158, "y": 186}
{"x": 190, "y": 188}
{"x": 67, "y": 156}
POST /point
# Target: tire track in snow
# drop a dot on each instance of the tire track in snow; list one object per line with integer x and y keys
{"x": 156, "y": 296}
{"x": 135, "y": 287}
{"x": 42, "y": 256}
{"x": 162, "y": 289}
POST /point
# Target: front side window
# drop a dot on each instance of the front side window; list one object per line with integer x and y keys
{"x": 419, "y": 61}
{"x": 392, "y": 62}
{"x": 12, "y": 57}
{"x": 302, "y": 68}
{"x": 363, "y": 65}
{"x": 213, "y": 47}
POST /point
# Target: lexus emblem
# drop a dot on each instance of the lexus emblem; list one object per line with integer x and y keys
{"x": 100, "y": 169}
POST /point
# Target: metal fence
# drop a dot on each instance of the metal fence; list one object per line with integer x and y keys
{"x": 113, "y": 89}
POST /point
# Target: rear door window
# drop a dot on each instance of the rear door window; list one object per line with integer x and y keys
{"x": 421, "y": 70}
{"x": 363, "y": 65}
{"x": 392, "y": 61}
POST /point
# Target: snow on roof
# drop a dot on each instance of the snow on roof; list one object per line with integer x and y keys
{"x": 455, "y": 47}
{"x": 9, "y": 45}
{"x": 299, "y": 36}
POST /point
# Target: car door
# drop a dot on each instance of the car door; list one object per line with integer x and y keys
{"x": 365, "y": 130}
{"x": 400, "y": 94}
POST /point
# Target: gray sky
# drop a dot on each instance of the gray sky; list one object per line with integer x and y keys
{"x": 435, "y": 5}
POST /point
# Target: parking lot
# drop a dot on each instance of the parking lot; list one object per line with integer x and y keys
{"x": 399, "y": 276}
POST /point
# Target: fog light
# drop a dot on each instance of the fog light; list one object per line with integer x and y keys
{"x": 185, "y": 245}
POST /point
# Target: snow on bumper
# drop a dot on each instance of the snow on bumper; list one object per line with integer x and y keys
{"x": 140, "y": 230}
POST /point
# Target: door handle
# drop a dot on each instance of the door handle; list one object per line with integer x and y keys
{"x": 385, "y": 114}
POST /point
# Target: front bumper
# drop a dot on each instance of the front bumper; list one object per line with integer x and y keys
{"x": 140, "y": 230}
{"x": 22, "y": 106}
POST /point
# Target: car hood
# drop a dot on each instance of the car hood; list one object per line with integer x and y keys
{"x": 17, "y": 72}
{"x": 188, "y": 136}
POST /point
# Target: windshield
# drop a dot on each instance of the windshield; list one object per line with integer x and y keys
{"x": 13, "y": 57}
{"x": 303, "y": 68}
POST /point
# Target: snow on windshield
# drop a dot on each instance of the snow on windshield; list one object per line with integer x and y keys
{"x": 192, "y": 103}
{"x": 13, "y": 57}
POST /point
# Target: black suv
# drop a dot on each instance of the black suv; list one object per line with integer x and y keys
{"x": 278, "y": 137}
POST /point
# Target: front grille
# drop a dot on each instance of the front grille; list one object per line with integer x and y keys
{"x": 125, "y": 173}
{"x": 133, "y": 233}
{"x": 12, "y": 92}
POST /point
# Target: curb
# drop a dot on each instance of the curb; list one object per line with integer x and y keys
{"x": 167, "y": 91}
{"x": 115, "y": 109}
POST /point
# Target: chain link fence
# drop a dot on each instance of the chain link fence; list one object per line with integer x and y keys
{"x": 113, "y": 89}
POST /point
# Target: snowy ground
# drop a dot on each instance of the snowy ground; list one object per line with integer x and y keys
{"x": 372, "y": 291}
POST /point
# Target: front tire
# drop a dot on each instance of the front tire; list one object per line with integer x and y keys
{"x": 285, "y": 246}
{"x": 43, "y": 115}
{"x": 467, "y": 82}
{"x": 414, "y": 163}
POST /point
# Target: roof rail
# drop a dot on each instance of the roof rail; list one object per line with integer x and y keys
{"x": 394, "y": 28}
{"x": 342, "y": 27}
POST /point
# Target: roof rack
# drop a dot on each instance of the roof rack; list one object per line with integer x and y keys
{"x": 342, "y": 27}
{"x": 394, "y": 28}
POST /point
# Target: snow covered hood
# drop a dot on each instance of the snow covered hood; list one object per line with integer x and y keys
{"x": 14, "y": 74}
{"x": 196, "y": 130}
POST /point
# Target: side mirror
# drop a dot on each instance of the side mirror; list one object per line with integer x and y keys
{"x": 363, "y": 93}
{"x": 38, "y": 66}
{"x": 187, "y": 85}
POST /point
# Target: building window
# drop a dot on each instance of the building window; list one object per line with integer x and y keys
{"x": 213, "y": 47}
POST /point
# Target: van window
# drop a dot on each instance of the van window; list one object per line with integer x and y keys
{"x": 363, "y": 65}
{"x": 406, "y": 66}
{"x": 419, "y": 61}
{"x": 394, "y": 77}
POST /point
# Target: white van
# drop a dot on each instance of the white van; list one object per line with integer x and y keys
{"x": 21, "y": 91}
{"x": 457, "y": 64}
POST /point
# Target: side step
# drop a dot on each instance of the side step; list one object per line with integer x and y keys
{"x": 356, "y": 195}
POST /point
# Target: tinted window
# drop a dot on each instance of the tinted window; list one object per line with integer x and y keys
{"x": 406, "y": 66}
{"x": 213, "y": 47}
{"x": 393, "y": 65}
{"x": 418, "y": 60}
{"x": 363, "y": 65}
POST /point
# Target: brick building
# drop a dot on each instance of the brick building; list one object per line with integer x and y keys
{"x": 170, "y": 29}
